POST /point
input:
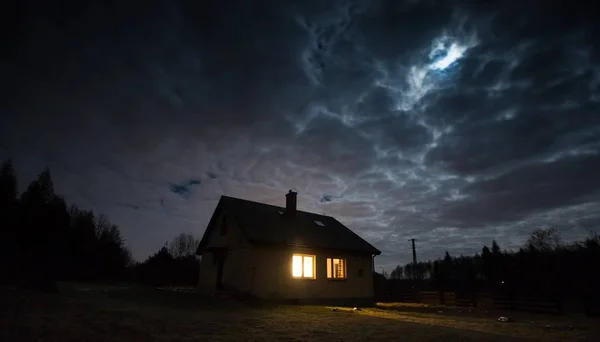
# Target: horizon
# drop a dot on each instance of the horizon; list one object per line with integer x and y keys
{"x": 592, "y": 234}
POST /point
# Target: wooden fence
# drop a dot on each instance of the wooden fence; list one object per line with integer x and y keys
{"x": 484, "y": 301}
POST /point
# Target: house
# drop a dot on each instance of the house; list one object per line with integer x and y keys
{"x": 278, "y": 253}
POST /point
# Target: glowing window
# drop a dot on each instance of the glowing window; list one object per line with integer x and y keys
{"x": 336, "y": 268}
{"x": 303, "y": 266}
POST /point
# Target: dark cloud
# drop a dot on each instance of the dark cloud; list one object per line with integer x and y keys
{"x": 326, "y": 198}
{"x": 149, "y": 114}
{"x": 185, "y": 187}
{"x": 132, "y": 206}
{"x": 533, "y": 188}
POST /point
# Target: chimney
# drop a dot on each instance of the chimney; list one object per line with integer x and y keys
{"x": 290, "y": 203}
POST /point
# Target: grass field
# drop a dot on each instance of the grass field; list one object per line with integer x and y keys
{"x": 85, "y": 312}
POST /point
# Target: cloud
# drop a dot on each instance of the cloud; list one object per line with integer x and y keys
{"x": 527, "y": 190}
{"x": 132, "y": 206}
{"x": 453, "y": 123}
{"x": 184, "y": 188}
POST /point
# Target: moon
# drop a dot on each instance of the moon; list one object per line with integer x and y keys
{"x": 454, "y": 53}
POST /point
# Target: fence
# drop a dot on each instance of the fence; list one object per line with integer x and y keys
{"x": 485, "y": 301}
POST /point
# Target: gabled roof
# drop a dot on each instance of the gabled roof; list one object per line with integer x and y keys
{"x": 264, "y": 223}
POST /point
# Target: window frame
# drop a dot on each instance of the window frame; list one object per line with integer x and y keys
{"x": 314, "y": 266}
{"x": 330, "y": 264}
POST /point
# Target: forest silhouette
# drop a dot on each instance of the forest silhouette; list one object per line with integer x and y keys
{"x": 44, "y": 240}
{"x": 543, "y": 269}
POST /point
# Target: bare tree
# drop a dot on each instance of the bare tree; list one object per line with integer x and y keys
{"x": 397, "y": 273}
{"x": 183, "y": 245}
{"x": 543, "y": 240}
{"x": 102, "y": 225}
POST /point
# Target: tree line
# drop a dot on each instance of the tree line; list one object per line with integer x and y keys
{"x": 543, "y": 267}
{"x": 173, "y": 264}
{"x": 44, "y": 240}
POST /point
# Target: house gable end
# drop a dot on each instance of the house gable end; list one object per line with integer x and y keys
{"x": 215, "y": 224}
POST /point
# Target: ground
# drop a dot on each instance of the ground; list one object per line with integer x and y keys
{"x": 83, "y": 312}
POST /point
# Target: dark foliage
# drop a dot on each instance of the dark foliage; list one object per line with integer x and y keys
{"x": 166, "y": 268}
{"x": 43, "y": 241}
{"x": 543, "y": 269}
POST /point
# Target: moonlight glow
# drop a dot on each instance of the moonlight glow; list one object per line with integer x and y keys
{"x": 454, "y": 53}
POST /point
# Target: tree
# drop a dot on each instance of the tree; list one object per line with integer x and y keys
{"x": 36, "y": 233}
{"x": 158, "y": 268}
{"x": 447, "y": 258}
{"x": 543, "y": 269}
{"x": 8, "y": 186}
{"x": 397, "y": 273}
{"x": 40, "y": 191}
{"x": 446, "y": 268}
{"x": 113, "y": 257}
{"x": 487, "y": 264}
{"x": 183, "y": 245}
{"x": 97, "y": 247}
{"x": 592, "y": 242}
{"x": 8, "y": 220}
{"x": 82, "y": 243}
{"x": 495, "y": 248}
{"x": 56, "y": 225}
{"x": 485, "y": 252}
{"x": 384, "y": 273}
{"x": 42, "y": 241}
{"x": 543, "y": 240}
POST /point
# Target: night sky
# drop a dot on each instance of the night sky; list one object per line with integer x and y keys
{"x": 454, "y": 123}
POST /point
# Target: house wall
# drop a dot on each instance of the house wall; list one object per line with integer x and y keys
{"x": 266, "y": 272}
{"x": 273, "y": 275}
{"x": 235, "y": 273}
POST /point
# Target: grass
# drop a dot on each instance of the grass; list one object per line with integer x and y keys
{"x": 82, "y": 312}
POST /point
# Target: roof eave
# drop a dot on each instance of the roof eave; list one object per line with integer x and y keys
{"x": 373, "y": 251}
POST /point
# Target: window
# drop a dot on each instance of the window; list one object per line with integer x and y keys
{"x": 336, "y": 268}
{"x": 224, "y": 226}
{"x": 319, "y": 223}
{"x": 303, "y": 266}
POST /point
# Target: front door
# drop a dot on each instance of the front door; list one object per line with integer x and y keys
{"x": 219, "y": 255}
{"x": 220, "y": 265}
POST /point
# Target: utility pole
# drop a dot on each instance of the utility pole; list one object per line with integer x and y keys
{"x": 414, "y": 251}
{"x": 414, "y": 271}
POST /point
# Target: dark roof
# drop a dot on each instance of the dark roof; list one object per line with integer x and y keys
{"x": 264, "y": 223}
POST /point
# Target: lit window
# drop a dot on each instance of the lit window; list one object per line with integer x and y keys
{"x": 303, "y": 266}
{"x": 336, "y": 268}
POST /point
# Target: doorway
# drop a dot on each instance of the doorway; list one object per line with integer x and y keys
{"x": 219, "y": 256}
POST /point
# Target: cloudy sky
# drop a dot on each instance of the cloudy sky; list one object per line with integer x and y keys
{"x": 454, "y": 123}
